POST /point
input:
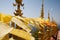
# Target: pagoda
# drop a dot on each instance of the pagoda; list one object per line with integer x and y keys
{"x": 23, "y": 28}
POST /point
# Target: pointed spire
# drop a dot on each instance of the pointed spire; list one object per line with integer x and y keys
{"x": 48, "y": 15}
{"x": 42, "y": 10}
{"x": 52, "y": 20}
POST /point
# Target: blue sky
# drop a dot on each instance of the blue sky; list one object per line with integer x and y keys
{"x": 32, "y": 8}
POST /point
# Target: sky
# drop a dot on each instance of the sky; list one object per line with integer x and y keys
{"x": 32, "y": 8}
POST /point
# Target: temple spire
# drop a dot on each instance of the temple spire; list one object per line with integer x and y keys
{"x": 42, "y": 10}
{"x": 18, "y": 12}
{"x": 48, "y": 15}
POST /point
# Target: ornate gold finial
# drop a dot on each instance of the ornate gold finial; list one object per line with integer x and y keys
{"x": 48, "y": 15}
{"x": 42, "y": 10}
{"x": 18, "y": 11}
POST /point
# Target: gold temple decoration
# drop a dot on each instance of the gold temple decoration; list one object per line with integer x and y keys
{"x": 18, "y": 4}
{"x": 42, "y": 10}
{"x": 24, "y": 25}
{"x": 48, "y": 15}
